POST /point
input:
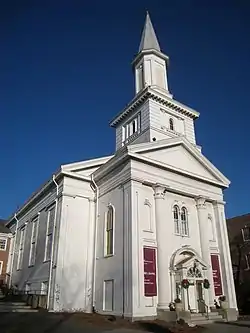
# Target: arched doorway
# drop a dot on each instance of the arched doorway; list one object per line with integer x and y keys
{"x": 185, "y": 263}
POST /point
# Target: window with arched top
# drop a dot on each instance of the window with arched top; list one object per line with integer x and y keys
{"x": 110, "y": 231}
{"x": 176, "y": 213}
{"x": 171, "y": 124}
{"x": 184, "y": 222}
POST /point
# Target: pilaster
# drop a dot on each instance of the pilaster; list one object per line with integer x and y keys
{"x": 164, "y": 291}
{"x": 225, "y": 257}
{"x": 205, "y": 245}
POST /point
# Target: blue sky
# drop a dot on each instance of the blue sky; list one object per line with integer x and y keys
{"x": 65, "y": 72}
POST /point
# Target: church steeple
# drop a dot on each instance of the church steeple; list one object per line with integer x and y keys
{"x": 153, "y": 114}
{"x": 148, "y": 38}
{"x": 150, "y": 64}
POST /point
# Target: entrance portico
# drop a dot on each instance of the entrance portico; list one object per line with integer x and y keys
{"x": 187, "y": 264}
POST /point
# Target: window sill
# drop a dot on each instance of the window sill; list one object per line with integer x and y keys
{"x": 2, "y": 250}
{"x": 180, "y": 235}
{"x": 108, "y": 255}
{"x": 46, "y": 260}
{"x": 148, "y": 230}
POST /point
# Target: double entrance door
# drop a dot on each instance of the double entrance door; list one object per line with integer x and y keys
{"x": 195, "y": 296}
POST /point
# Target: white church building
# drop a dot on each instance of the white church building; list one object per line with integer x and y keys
{"x": 124, "y": 234}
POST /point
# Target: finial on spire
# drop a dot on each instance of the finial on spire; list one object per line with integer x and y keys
{"x": 148, "y": 39}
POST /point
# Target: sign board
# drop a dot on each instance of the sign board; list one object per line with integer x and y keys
{"x": 216, "y": 274}
{"x": 149, "y": 258}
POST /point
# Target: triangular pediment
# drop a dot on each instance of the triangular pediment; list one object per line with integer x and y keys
{"x": 182, "y": 157}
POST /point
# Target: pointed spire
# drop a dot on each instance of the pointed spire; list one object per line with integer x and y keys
{"x": 149, "y": 39}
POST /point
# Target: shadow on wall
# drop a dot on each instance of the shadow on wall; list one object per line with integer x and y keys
{"x": 70, "y": 295}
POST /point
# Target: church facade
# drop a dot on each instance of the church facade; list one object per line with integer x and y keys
{"x": 126, "y": 234}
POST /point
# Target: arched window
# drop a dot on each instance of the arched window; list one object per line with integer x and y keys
{"x": 176, "y": 213}
{"x": 171, "y": 124}
{"x": 184, "y": 222}
{"x": 110, "y": 231}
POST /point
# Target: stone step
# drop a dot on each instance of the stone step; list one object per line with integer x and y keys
{"x": 9, "y": 306}
{"x": 204, "y": 317}
{"x": 196, "y": 315}
{"x": 204, "y": 322}
{"x": 214, "y": 313}
{"x": 12, "y": 303}
{"x": 18, "y": 310}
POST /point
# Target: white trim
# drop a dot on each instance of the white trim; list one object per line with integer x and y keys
{"x": 106, "y": 255}
{"x": 1, "y": 267}
{"x": 153, "y": 146}
{"x": 149, "y": 93}
{"x": 132, "y": 152}
{"x": 127, "y": 129}
{"x": 178, "y": 222}
{"x": 188, "y": 249}
{"x": 104, "y": 293}
{"x": 33, "y": 241}
{"x": 76, "y": 166}
{"x": 22, "y": 231}
{"x": 186, "y": 221}
{"x": 178, "y": 170}
{"x": 49, "y": 234}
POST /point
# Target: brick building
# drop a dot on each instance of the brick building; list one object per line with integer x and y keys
{"x": 239, "y": 240}
{"x": 5, "y": 239}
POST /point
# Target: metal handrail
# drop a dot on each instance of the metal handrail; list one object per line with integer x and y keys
{"x": 206, "y": 307}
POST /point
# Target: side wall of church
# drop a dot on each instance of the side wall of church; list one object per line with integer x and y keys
{"x": 113, "y": 272}
{"x": 23, "y": 273}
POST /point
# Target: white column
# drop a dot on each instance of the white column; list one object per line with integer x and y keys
{"x": 164, "y": 290}
{"x": 173, "y": 286}
{"x": 205, "y": 245}
{"x": 225, "y": 257}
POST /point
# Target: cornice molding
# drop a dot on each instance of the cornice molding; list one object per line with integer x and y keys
{"x": 149, "y": 93}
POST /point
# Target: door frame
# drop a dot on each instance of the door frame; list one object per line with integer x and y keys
{"x": 200, "y": 308}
